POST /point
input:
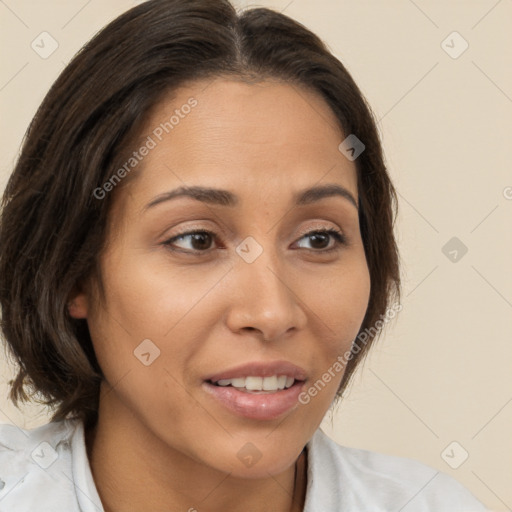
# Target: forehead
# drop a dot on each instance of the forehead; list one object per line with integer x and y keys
{"x": 265, "y": 136}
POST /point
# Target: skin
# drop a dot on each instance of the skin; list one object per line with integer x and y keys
{"x": 161, "y": 442}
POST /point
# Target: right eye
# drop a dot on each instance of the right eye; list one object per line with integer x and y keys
{"x": 198, "y": 241}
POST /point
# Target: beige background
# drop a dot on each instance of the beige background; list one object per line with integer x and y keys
{"x": 442, "y": 371}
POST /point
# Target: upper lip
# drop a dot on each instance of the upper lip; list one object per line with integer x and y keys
{"x": 261, "y": 369}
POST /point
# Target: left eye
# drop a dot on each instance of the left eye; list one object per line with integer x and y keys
{"x": 321, "y": 237}
{"x": 201, "y": 240}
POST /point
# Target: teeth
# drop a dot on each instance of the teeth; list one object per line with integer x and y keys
{"x": 273, "y": 383}
{"x": 254, "y": 383}
{"x": 270, "y": 383}
{"x": 238, "y": 383}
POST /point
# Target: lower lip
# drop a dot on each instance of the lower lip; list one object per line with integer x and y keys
{"x": 256, "y": 406}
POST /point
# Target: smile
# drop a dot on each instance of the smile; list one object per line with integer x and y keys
{"x": 257, "y": 390}
{"x": 263, "y": 384}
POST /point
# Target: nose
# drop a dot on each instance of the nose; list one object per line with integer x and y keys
{"x": 265, "y": 298}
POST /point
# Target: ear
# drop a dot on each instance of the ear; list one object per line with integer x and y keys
{"x": 78, "y": 305}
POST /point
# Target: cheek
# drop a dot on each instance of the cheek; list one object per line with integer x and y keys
{"x": 149, "y": 301}
{"x": 155, "y": 313}
{"x": 339, "y": 306}
{"x": 144, "y": 342}
{"x": 340, "y": 303}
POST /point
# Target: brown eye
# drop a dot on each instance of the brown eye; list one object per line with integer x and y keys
{"x": 319, "y": 239}
{"x": 197, "y": 241}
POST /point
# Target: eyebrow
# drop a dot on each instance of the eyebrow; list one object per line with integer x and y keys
{"x": 215, "y": 196}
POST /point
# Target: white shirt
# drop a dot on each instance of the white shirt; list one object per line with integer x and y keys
{"x": 46, "y": 469}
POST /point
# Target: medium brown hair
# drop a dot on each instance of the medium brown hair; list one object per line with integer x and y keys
{"x": 53, "y": 228}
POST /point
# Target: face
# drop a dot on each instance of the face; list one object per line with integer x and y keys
{"x": 252, "y": 283}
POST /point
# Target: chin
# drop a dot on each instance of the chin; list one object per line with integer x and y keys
{"x": 256, "y": 459}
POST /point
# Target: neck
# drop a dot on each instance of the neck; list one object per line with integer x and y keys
{"x": 135, "y": 471}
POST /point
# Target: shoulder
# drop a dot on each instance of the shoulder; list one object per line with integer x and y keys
{"x": 358, "y": 478}
{"x": 36, "y": 467}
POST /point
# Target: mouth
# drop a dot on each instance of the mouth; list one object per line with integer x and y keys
{"x": 254, "y": 384}
{"x": 258, "y": 391}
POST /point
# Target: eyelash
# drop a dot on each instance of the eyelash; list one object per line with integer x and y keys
{"x": 338, "y": 236}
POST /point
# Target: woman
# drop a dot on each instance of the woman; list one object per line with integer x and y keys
{"x": 196, "y": 247}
